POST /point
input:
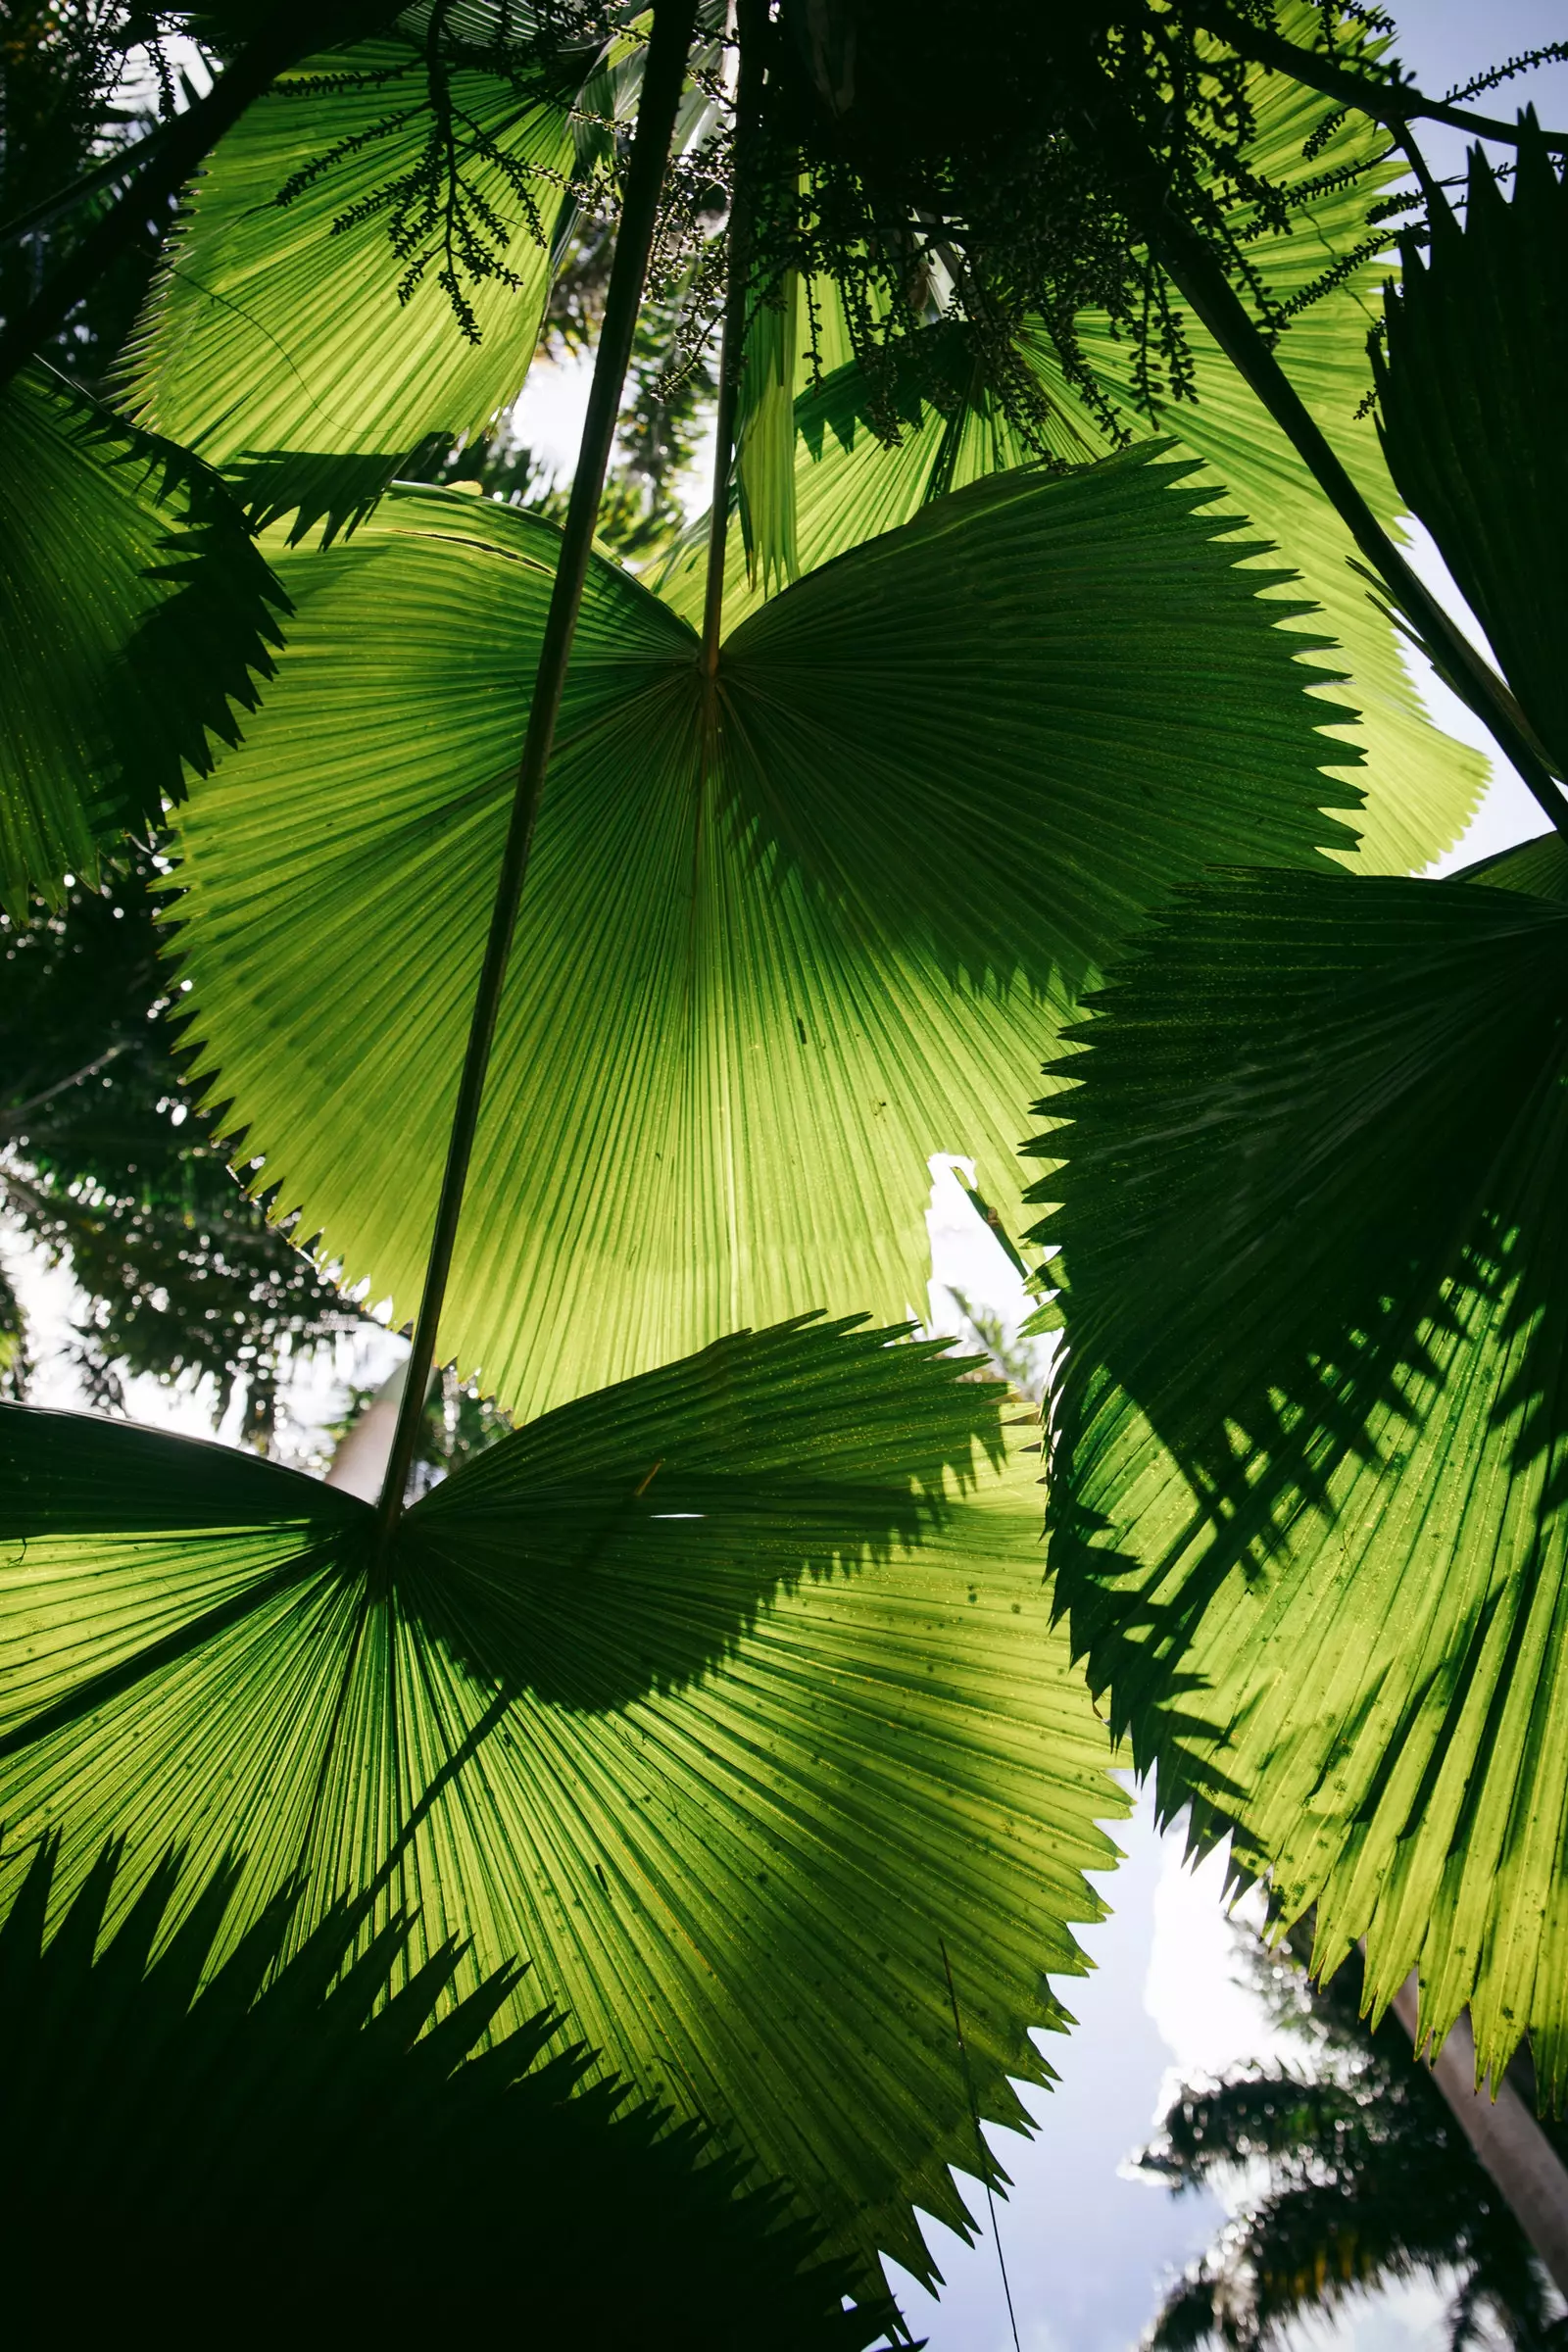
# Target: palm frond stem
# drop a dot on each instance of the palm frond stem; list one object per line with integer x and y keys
{"x": 121, "y": 165}
{"x": 664, "y": 80}
{"x": 751, "y": 24}
{"x": 1391, "y": 103}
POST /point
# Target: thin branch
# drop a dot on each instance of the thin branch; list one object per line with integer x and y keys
{"x": 1411, "y": 151}
{"x": 664, "y": 78}
{"x": 1389, "y": 102}
{"x": 751, "y": 29}
{"x": 11, "y": 1122}
{"x": 981, "y": 2151}
{"x": 293, "y": 31}
{"x": 13, "y": 1186}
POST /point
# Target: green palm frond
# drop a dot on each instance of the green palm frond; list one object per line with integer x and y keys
{"x": 1307, "y": 1500}
{"x": 357, "y": 273}
{"x": 1421, "y": 785}
{"x": 135, "y": 617}
{"x": 724, "y": 1698}
{"x": 751, "y": 993}
{"x": 1471, "y": 391}
{"x": 311, "y": 2122}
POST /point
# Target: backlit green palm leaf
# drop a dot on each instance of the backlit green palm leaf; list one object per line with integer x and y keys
{"x": 849, "y": 486}
{"x": 1421, "y": 785}
{"x": 278, "y": 340}
{"x": 135, "y": 613}
{"x": 1308, "y": 1494}
{"x": 1472, "y": 393}
{"x": 764, "y": 436}
{"x": 745, "y": 1002}
{"x": 724, "y": 1699}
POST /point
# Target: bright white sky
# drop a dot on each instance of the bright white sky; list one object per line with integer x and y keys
{"x": 1087, "y": 2248}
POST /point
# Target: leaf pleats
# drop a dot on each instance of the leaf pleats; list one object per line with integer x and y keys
{"x": 724, "y": 1699}
{"x": 774, "y": 952}
{"x": 1308, "y": 1488}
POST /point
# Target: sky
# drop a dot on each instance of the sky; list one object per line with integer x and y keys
{"x": 1086, "y": 2246}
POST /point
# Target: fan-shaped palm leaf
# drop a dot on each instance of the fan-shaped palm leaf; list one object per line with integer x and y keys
{"x": 1421, "y": 785}
{"x": 135, "y": 613}
{"x": 751, "y": 993}
{"x": 1308, "y": 1495}
{"x": 298, "y": 344}
{"x": 717, "y": 1697}
{"x": 1471, "y": 392}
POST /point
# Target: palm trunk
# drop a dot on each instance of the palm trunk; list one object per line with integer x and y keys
{"x": 1529, "y": 2173}
{"x": 359, "y": 1466}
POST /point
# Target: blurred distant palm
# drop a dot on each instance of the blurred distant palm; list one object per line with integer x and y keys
{"x": 1359, "y": 2177}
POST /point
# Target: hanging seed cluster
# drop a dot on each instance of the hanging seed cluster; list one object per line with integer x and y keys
{"x": 934, "y": 167}
{"x": 965, "y": 163}
{"x": 438, "y": 216}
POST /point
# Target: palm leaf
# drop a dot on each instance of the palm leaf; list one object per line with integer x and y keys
{"x": 1421, "y": 785}
{"x": 849, "y": 484}
{"x": 305, "y": 2120}
{"x": 284, "y": 342}
{"x": 1309, "y": 1504}
{"x": 135, "y": 615}
{"x": 1471, "y": 393}
{"x": 764, "y": 434}
{"x": 723, "y": 1698}
{"x": 747, "y": 998}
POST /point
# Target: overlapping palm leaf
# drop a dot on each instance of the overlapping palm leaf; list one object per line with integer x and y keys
{"x": 1421, "y": 785}
{"x": 726, "y": 1699}
{"x": 135, "y": 615}
{"x": 849, "y": 485}
{"x": 1309, "y": 1497}
{"x": 1476, "y": 367}
{"x": 1308, "y": 1509}
{"x": 751, "y": 993}
{"x": 285, "y": 342}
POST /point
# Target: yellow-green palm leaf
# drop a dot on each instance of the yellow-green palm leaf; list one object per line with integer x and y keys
{"x": 767, "y": 962}
{"x": 284, "y": 342}
{"x": 1309, "y": 1493}
{"x": 724, "y": 1699}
